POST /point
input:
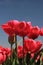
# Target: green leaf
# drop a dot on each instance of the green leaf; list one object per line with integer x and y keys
{"x": 35, "y": 56}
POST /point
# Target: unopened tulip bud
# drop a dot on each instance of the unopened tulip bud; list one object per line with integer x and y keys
{"x": 11, "y": 39}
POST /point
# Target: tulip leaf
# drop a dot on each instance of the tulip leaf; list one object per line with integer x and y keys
{"x": 35, "y": 56}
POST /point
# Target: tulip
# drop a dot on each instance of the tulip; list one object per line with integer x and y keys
{"x": 6, "y": 51}
{"x": 30, "y": 45}
{"x": 12, "y": 39}
{"x": 34, "y": 33}
{"x": 29, "y": 26}
{"x": 20, "y": 52}
{"x": 10, "y": 27}
{"x": 39, "y": 44}
{"x": 23, "y": 28}
{"x": 2, "y": 57}
{"x": 41, "y": 32}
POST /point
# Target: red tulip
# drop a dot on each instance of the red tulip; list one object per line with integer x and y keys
{"x": 10, "y": 27}
{"x": 30, "y": 45}
{"x": 20, "y": 52}
{"x": 29, "y": 26}
{"x": 34, "y": 33}
{"x": 41, "y": 31}
{"x": 39, "y": 44}
{"x": 22, "y": 28}
{"x": 2, "y": 57}
{"x": 8, "y": 52}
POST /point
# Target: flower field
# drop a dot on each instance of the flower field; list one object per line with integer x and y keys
{"x": 30, "y": 53}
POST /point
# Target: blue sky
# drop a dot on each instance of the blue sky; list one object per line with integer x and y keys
{"x": 28, "y": 10}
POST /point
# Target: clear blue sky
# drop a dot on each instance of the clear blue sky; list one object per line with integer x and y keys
{"x": 28, "y": 10}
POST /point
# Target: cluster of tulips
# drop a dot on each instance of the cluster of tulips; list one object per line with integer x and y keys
{"x": 30, "y": 53}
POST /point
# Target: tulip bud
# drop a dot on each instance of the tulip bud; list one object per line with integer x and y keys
{"x": 11, "y": 39}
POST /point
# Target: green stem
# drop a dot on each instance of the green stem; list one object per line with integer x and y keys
{"x": 28, "y": 59}
{"x": 16, "y": 44}
{"x": 11, "y": 46}
{"x": 20, "y": 61}
{"x": 23, "y": 50}
{"x": 16, "y": 50}
{"x": 11, "y": 55}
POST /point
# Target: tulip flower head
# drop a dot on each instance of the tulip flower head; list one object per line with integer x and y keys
{"x": 39, "y": 44}
{"x": 22, "y": 29}
{"x": 30, "y": 45}
{"x": 10, "y": 27}
{"x": 2, "y": 57}
{"x": 20, "y": 52}
{"x": 41, "y": 32}
{"x": 34, "y": 33}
